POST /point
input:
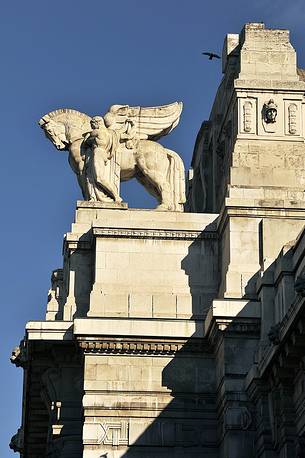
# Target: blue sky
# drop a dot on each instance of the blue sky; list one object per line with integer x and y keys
{"x": 88, "y": 56}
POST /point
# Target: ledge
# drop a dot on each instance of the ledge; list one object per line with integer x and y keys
{"x": 258, "y": 85}
{"x": 49, "y": 330}
{"x": 108, "y": 205}
{"x": 138, "y": 327}
{"x": 225, "y": 312}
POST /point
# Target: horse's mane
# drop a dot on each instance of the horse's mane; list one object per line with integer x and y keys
{"x": 57, "y": 115}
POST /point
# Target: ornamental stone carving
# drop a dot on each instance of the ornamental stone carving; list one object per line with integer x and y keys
{"x": 237, "y": 418}
{"x": 19, "y": 355}
{"x": 270, "y": 112}
{"x": 299, "y": 285}
{"x": 292, "y": 118}
{"x": 274, "y": 334}
{"x": 119, "y": 146}
{"x": 300, "y": 447}
{"x": 17, "y": 441}
{"x": 55, "y": 294}
{"x": 247, "y": 116}
{"x": 113, "y": 433}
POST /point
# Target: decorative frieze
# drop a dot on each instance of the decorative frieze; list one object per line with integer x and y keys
{"x": 136, "y": 347}
{"x": 162, "y": 234}
{"x": 161, "y": 433}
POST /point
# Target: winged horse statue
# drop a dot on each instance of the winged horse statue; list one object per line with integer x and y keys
{"x": 119, "y": 146}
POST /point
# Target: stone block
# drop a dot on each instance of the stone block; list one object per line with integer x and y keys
{"x": 198, "y": 309}
{"x": 107, "y": 305}
{"x": 100, "y": 260}
{"x": 115, "y": 304}
{"x": 136, "y": 327}
{"x": 275, "y": 160}
{"x": 90, "y": 371}
{"x": 250, "y": 159}
{"x": 117, "y": 261}
{"x": 184, "y": 305}
{"x": 241, "y": 225}
{"x": 140, "y": 305}
{"x": 164, "y": 305}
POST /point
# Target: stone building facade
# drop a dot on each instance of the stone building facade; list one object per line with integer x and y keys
{"x": 174, "y": 334}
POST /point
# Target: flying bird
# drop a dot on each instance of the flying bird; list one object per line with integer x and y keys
{"x": 211, "y": 55}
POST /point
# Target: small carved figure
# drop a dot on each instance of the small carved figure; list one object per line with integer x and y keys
{"x": 119, "y": 146}
{"x": 17, "y": 441}
{"x": 19, "y": 355}
{"x": 299, "y": 285}
{"x": 99, "y": 139}
{"x": 270, "y": 111}
{"x": 300, "y": 447}
{"x": 274, "y": 334}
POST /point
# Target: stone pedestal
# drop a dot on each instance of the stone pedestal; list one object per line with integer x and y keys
{"x": 128, "y": 310}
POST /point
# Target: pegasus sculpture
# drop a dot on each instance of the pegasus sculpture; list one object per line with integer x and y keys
{"x": 119, "y": 146}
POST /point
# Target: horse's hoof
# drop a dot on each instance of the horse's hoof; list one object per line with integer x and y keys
{"x": 162, "y": 208}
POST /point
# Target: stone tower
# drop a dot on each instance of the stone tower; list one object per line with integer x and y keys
{"x": 163, "y": 329}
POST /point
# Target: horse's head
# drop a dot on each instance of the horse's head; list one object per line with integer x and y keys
{"x": 62, "y": 127}
{"x": 55, "y": 132}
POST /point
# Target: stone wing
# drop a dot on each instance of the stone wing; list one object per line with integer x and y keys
{"x": 150, "y": 122}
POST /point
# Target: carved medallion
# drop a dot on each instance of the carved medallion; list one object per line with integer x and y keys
{"x": 270, "y": 112}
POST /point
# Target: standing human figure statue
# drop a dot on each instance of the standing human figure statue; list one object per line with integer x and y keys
{"x": 100, "y": 147}
{"x": 119, "y": 146}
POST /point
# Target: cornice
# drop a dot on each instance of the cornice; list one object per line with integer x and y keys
{"x": 163, "y": 234}
{"x": 140, "y": 347}
{"x": 249, "y": 210}
{"x": 237, "y": 327}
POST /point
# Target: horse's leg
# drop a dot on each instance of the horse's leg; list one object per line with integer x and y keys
{"x": 77, "y": 164}
{"x": 76, "y": 159}
{"x": 166, "y": 201}
{"x": 148, "y": 184}
{"x": 83, "y": 185}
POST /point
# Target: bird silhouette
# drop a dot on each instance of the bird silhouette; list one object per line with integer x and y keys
{"x": 211, "y": 55}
